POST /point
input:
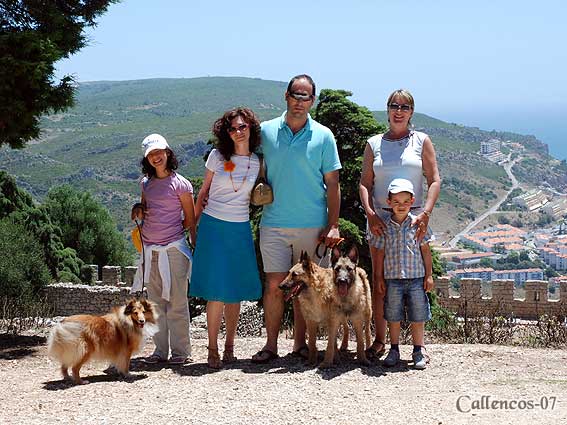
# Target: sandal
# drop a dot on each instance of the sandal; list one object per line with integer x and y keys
{"x": 264, "y": 356}
{"x": 372, "y": 353}
{"x": 302, "y": 352}
{"x": 228, "y": 354}
{"x": 213, "y": 360}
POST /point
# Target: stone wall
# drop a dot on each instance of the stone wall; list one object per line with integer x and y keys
{"x": 69, "y": 298}
{"x": 502, "y": 302}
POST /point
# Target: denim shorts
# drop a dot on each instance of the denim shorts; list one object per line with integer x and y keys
{"x": 406, "y": 295}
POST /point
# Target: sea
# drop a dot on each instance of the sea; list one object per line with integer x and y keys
{"x": 548, "y": 126}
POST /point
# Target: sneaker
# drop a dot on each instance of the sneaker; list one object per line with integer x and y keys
{"x": 392, "y": 359}
{"x": 178, "y": 360}
{"x": 153, "y": 359}
{"x": 419, "y": 360}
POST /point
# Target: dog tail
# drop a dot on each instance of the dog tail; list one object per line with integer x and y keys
{"x": 66, "y": 344}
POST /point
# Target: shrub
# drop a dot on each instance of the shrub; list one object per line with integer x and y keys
{"x": 23, "y": 271}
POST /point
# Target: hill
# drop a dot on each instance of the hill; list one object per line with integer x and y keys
{"x": 95, "y": 146}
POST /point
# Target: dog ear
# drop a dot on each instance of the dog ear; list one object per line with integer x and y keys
{"x": 335, "y": 255}
{"x": 353, "y": 254}
{"x": 304, "y": 258}
{"x": 129, "y": 307}
{"x": 147, "y": 305}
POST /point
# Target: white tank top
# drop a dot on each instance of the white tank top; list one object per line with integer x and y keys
{"x": 397, "y": 159}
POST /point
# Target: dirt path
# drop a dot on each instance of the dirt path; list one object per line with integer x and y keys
{"x": 288, "y": 392}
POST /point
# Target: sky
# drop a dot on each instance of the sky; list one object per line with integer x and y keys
{"x": 492, "y": 64}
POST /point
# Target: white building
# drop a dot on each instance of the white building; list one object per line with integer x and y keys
{"x": 556, "y": 208}
{"x": 488, "y": 274}
{"x": 532, "y": 200}
{"x": 490, "y": 147}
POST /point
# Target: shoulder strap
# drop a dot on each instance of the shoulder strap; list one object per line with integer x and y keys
{"x": 375, "y": 143}
{"x": 262, "y": 172}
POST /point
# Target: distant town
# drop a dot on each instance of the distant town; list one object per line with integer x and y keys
{"x": 506, "y": 251}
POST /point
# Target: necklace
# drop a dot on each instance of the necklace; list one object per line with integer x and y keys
{"x": 399, "y": 140}
{"x": 243, "y": 179}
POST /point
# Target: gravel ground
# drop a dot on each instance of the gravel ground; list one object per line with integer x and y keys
{"x": 288, "y": 392}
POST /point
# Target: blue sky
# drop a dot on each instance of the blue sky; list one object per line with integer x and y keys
{"x": 495, "y": 64}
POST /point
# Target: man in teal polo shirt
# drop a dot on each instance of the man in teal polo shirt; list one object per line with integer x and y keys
{"x": 303, "y": 166}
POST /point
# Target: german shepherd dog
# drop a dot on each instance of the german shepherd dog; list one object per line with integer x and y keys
{"x": 114, "y": 337}
{"x": 329, "y": 297}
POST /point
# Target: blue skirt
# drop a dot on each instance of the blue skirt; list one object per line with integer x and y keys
{"x": 224, "y": 262}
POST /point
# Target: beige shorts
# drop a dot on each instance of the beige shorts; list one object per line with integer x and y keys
{"x": 281, "y": 247}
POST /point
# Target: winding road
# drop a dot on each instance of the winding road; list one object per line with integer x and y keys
{"x": 508, "y": 168}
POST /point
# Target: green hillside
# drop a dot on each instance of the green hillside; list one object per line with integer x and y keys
{"x": 95, "y": 146}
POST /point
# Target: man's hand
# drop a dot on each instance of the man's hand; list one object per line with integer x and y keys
{"x": 428, "y": 283}
{"x": 331, "y": 235}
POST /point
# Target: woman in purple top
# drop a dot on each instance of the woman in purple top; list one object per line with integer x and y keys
{"x": 167, "y": 210}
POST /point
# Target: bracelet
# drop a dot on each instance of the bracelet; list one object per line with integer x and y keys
{"x": 427, "y": 213}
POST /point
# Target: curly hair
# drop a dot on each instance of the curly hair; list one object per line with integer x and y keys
{"x": 224, "y": 143}
{"x": 149, "y": 170}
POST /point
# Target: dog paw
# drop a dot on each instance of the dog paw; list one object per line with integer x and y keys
{"x": 325, "y": 365}
{"x": 81, "y": 382}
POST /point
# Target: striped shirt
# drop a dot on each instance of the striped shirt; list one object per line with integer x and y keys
{"x": 402, "y": 254}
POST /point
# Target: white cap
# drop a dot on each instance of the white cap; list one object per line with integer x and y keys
{"x": 401, "y": 185}
{"x": 153, "y": 142}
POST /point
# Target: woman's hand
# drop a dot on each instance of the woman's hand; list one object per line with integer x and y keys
{"x": 375, "y": 223}
{"x": 138, "y": 211}
{"x": 421, "y": 221}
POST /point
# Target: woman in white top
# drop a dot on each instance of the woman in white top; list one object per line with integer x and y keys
{"x": 225, "y": 271}
{"x": 399, "y": 153}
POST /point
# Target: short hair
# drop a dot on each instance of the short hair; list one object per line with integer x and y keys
{"x": 404, "y": 94}
{"x": 302, "y": 77}
{"x": 224, "y": 143}
{"x": 150, "y": 171}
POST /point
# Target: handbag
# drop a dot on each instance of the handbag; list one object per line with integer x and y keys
{"x": 262, "y": 193}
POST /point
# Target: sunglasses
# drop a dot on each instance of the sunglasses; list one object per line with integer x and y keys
{"x": 241, "y": 128}
{"x": 397, "y": 107}
{"x": 301, "y": 97}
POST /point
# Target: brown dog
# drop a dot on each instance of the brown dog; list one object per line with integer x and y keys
{"x": 355, "y": 299}
{"x": 329, "y": 297}
{"x": 113, "y": 337}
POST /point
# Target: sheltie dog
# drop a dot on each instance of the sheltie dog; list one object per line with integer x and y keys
{"x": 113, "y": 338}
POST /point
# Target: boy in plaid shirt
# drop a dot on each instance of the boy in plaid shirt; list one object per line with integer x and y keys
{"x": 405, "y": 272}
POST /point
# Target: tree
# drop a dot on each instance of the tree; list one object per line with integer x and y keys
{"x": 86, "y": 226}
{"x": 34, "y": 34}
{"x": 18, "y": 206}
{"x": 24, "y": 271}
{"x": 439, "y": 265}
{"x": 352, "y": 126}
